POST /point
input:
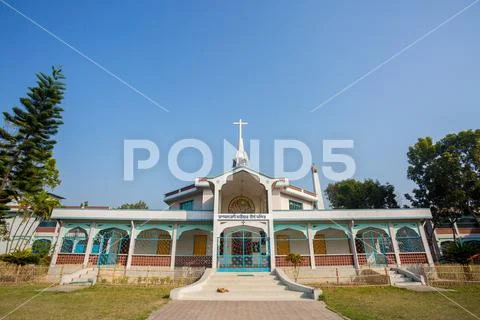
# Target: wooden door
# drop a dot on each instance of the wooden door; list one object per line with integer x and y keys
{"x": 283, "y": 245}
{"x": 200, "y": 245}
{"x": 319, "y": 244}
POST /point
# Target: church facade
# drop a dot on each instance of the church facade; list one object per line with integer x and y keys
{"x": 241, "y": 220}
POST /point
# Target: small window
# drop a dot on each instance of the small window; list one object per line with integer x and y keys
{"x": 295, "y": 205}
{"x": 187, "y": 205}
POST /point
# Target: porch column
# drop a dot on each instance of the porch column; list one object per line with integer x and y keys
{"x": 396, "y": 249}
{"x": 88, "y": 249}
{"x": 353, "y": 246}
{"x": 271, "y": 229}
{"x": 58, "y": 244}
{"x": 425, "y": 243}
{"x": 311, "y": 236}
{"x": 216, "y": 210}
{"x": 131, "y": 247}
{"x": 174, "y": 247}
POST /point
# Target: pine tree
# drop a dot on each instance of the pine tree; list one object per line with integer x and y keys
{"x": 26, "y": 141}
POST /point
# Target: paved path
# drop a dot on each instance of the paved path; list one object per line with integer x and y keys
{"x": 244, "y": 310}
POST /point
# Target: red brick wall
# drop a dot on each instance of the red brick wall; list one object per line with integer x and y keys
{"x": 413, "y": 258}
{"x": 160, "y": 261}
{"x": 281, "y": 261}
{"x": 193, "y": 261}
{"x": 70, "y": 258}
{"x": 334, "y": 260}
{"x": 93, "y": 259}
{"x": 122, "y": 260}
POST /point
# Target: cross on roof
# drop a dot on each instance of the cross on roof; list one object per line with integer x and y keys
{"x": 240, "y": 123}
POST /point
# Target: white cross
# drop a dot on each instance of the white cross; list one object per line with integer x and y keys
{"x": 240, "y": 123}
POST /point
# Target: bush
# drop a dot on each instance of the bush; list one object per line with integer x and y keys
{"x": 21, "y": 258}
{"x": 459, "y": 252}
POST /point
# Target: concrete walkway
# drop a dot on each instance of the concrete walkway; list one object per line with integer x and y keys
{"x": 244, "y": 310}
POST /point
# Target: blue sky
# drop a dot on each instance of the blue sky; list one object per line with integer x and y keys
{"x": 267, "y": 62}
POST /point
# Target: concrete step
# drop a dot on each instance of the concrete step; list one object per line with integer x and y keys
{"x": 235, "y": 296}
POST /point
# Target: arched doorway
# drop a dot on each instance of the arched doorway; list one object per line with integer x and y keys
{"x": 243, "y": 248}
{"x": 375, "y": 244}
{"x": 111, "y": 245}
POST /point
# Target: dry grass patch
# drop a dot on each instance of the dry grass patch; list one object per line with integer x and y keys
{"x": 99, "y": 302}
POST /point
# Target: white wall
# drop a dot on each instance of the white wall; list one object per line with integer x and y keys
{"x": 340, "y": 246}
{"x": 281, "y": 201}
{"x": 17, "y": 227}
{"x": 185, "y": 243}
{"x": 298, "y": 241}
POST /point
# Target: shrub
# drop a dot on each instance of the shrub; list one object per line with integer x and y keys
{"x": 459, "y": 252}
{"x": 296, "y": 260}
{"x": 22, "y": 257}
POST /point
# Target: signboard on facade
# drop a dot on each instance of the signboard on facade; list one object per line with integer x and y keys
{"x": 242, "y": 216}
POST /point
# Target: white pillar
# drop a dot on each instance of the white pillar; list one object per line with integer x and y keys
{"x": 216, "y": 210}
{"x": 396, "y": 249}
{"x": 131, "y": 247}
{"x": 173, "y": 247}
{"x": 58, "y": 245}
{"x": 311, "y": 236}
{"x": 88, "y": 249}
{"x": 353, "y": 246}
{"x": 271, "y": 229}
{"x": 425, "y": 243}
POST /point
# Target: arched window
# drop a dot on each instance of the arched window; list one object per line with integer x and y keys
{"x": 373, "y": 239}
{"x": 112, "y": 240}
{"x": 409, "y": 241}
{"x": 74, "y": 241}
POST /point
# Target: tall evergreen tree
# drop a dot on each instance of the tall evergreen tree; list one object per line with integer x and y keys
{"x": 26, "y": 141}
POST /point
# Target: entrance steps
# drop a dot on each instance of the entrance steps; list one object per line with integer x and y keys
{"x": 403, "y": 279}
{"x": 83, "y": 277}
{"x": 243, "y": 286}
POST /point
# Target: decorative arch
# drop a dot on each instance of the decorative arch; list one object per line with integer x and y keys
{"x": 324, "y": 226}
{"x": 102, "y": 227}
{"x": 241, "y": 204}
{"x": 111, "y": 239}
{"x": 409, "y": 240}
{"x": 374, "y": 239}
{"x": 74, "y": 241}
{"x": 188, "y": 227}
{"x": 302, "y": 228}
{"x": 165, "y": 227}
{"x": 253, "y": 224}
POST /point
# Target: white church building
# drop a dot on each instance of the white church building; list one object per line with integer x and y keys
{"x": 240, "y": 220}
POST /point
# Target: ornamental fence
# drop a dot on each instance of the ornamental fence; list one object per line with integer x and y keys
{"x": 11, "y": 273}
{"x": 341, "y": 277}
{"x": 148, "y": 277}
{"x": 452, "y": 274}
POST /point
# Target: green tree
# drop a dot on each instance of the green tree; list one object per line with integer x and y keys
{"x": 27, "y": 166}
{"x": 354, "y": 194}
{"x": 447, "y": 174}
{"x": 137, "y": 205}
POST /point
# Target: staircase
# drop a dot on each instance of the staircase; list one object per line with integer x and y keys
{"x": 83, "y": 277}
{"x": 251, "y": 286}
{"x": 401, "y": 280}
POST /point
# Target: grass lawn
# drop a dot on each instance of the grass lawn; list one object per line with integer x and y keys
{"x": 99, "y": 302}
{"x": 394, "y": 303}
